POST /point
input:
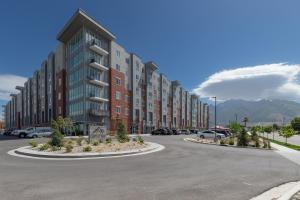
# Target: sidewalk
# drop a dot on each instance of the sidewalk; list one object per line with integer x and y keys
{"x": 288, "y": 153}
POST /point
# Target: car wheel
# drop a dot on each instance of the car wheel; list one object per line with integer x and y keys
{"x": 21, "y": 135}
{"x": 202, "y": 136}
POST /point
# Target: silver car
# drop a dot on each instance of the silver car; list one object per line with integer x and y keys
{"x": 210, "y": 134}
{"x": 41, "y": 132}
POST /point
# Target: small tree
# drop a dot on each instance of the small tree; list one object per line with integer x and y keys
{"x": 59, "y": 125}
{"x": 275, "y": 127}
{"x": 245, "y": 120}
{"x": 268, "y": 130}
{"x": 243, "y": 138}
{"x": 121, "y": 133}
{"x": 287, "y": 132}
{"x": 295, "y": 123}
{"x": 235, "y": 128}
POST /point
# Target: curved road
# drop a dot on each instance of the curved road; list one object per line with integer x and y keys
{"x": 182, "y": 171}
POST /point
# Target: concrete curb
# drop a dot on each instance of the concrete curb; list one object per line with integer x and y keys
{"x": 26, "y": 152}
{"x": 232, "y": 146}
{"x": 281, "y": 192}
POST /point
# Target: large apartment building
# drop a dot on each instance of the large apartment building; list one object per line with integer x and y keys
{"x": 93, "y": 80}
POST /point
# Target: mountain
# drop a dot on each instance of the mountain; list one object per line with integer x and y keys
{"x": 263, "y": 111}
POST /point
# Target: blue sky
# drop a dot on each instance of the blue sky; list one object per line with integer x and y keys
{"x": 189, "y": 40}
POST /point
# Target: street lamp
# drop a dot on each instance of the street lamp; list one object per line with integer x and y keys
{"x": 215, "y": 116}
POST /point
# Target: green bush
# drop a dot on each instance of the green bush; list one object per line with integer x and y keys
{"x": 121, "y": 134}
{"x": 140, "y": 140}
{"x": 87, "y": 149}
{"x": 243, "y": 138}
{"x": 108, "y": 140}
{"x": 95, "y": 143}
{"x": 134, "y": 139}
{"x": 44, "y": 147}
{"x": 265, "y": 144}
{"x": 56, "y": 138}
{"x": 55, "y": 148}
{"x": 257, "y": 144}
{"x": 231, "y": 141}
{"x": 69, "y": 148}
{"x": 222, "y": 142}
{"x": 33, "y": 143}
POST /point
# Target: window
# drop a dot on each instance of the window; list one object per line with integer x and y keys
{"x": 118, "y": 81}
{"x": 127, "y": 112}
{"x": 59, "y": 110}
{"x": 118, "y": 53}
{"x": 118, "y": 67}
{"x": 137, "y": 77}
{"x": 59, "y": 96}
{"x": 127, "y": 61}
{"x": 59, "y": 81}
{"x": 118, "y": 109}
{"x": 118, "y": 95}
{"x": 127, "y": 98}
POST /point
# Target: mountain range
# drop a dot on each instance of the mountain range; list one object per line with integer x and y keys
{"x": 258, "y": 112}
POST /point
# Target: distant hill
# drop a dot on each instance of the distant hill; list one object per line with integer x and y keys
{"x": 263, "y": 111}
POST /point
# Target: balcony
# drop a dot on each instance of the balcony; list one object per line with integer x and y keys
{"x": 97, "y": 82}
{"x": 98, "y": 49}
{"x": 97, "y": 112}
{"x": 98, "y": 99}
{"x": 97, "y": 65}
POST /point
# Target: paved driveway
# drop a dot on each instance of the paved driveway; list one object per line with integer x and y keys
{"x": 183, "y": 171}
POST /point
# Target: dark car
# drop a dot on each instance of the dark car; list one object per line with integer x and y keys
{"x": 7, "y": 133}
{"x": 169, "y": 131}
{"x": 176, "y": 132}
{"x": 159, "y": 131}
{"x": 185, "y": 131}
{"x": 194, "y": 131}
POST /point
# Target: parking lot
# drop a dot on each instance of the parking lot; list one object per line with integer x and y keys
{"x": 182, "y": 171}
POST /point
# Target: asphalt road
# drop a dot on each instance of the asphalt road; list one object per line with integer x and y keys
{"x": 183, "y": 171}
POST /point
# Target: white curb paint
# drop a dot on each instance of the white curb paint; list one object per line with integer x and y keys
{"x": 157, "y": 148}
{"x": 281, "y": 192}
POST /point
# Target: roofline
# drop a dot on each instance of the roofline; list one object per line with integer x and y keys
{"x": 83, "y": 13}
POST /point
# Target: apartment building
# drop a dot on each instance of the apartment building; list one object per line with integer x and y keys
{"x": 93, "y": 80}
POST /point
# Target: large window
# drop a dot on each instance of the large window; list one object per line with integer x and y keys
{"x": 118, "y": 95}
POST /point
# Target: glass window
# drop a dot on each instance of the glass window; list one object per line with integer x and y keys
{"x": 118, "y": 95}
{"x": 118, "y": 81}
{"x": 118, "y": 109}
{"x": 118, "y": 67}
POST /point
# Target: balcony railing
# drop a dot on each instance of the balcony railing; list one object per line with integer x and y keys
{"x": 95, "y": 47}
{"x": 98, "y": 99}
{"x": 95, "y": 64}
{"x": 97, "y": 112}
{"x": 97, "y": 82}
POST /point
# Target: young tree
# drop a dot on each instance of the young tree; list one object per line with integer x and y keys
{"x": 59, "y": 125}
{"x": 121, "y": 133}
{"x": 235, "y": 128}
{"x": 287, "y": 132}
{"x": 243, "y": 138}
{"x": 245, "y": 120}
{"x": 296, "y": 123}
{"x": 268, "y": 130}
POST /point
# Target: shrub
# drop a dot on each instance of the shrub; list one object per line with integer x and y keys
{"x": 222, "y": 142}
{"x": 265, "y": 144}
{"x": 121, "y": 134}
{"x": 79, "y": 141}
{"x": 44, "y": 147}
{"x": 140, "y": 140}
{"x": 243, "y": 138}
{"x": 134, "y": 139}
{"x": 69, "y": 148}
{"x": 95, "y": 143}
{"x": 87, "y": 149}
{"x": 257, "y": 144}
{"x": 55, "y": 148}
{"x": 108, "y": 140}
{"x": 269, "y": 144}
{"x": 231, "y": 141}
{"x": 56, "y": 138}
{"x": 33, "y": 143}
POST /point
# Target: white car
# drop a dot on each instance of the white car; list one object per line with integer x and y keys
{"x": 210, "y": 134}
{"x": 15, "y": 132}
{"x": 40, "y": 132}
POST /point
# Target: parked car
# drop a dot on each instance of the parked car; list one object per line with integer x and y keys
{"x": 185, "y": 131}
{"x": 159, "y": 131}
{"x": 195, "y": 131}
{"x": 169, "y": 131}
{"x": 15, "y": 132}
{"x": 210, "y": 134}
{"x": 176, "y": 132}
{"x": 23, "y": 133}
{"x": 224, "y": 132}
{"x": 7, "y": 132}
{"x": 43, "y": 132}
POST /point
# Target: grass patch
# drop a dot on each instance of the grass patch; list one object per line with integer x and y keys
{"x": 291, "y": 146}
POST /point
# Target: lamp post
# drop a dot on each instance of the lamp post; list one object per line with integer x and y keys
{"x": 215, "y": 116}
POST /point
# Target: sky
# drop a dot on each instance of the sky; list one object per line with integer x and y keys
{"x": 224, "y": 48}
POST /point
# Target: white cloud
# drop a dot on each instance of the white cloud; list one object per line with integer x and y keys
{"x": 270, "y": 81}
{"x": 8, "y": 82}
